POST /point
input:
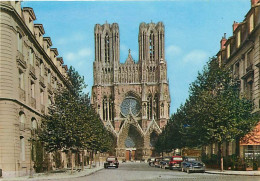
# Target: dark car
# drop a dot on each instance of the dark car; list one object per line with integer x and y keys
{"x": 111, "y": 161}
{"x": 192, "y": 164}
{"x": 165, "y": 162}
{"x": 157, "y": 162}
{"x": 151, "y": 161}
{"x": 175, "y": 162}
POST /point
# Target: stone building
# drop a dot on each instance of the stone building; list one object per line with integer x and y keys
{"x": 132, "y": 98}
{"x": 241, "y": 53}
{"x": 30, "y": 72}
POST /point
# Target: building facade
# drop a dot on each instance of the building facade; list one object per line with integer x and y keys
{"x": 30, "y": 72}
{"x": 241, "y": 53}
{"x": 132, "y": 98}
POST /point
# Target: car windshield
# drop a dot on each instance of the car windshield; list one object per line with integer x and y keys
{"x": 177, "y": 159}
{"x": 111, "y": 159}
{"x": 193, "y": 159}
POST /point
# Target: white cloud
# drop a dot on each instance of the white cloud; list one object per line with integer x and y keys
{"x": 76, "y": 37}
{"x": 173, "y": 50}
{"x": 84, "y": 53}
{"x": 196, "y": 57}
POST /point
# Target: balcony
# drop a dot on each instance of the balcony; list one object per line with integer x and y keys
{"x": 42, "y": 82}
{"x": 249, "y": 68}
{"x": 49, "y": 88}
{"x": 249, "y": 72}
{"x": 20, "y": 59}
{"x": 42, "y": 109}
{"x": 32, "y": 72}
{"x": 21, "y": 94}
{"x": 33, "y": 102}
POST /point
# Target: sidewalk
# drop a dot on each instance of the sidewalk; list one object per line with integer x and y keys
{"x": 232, "y": 172}
{"x": 62, "y": 175}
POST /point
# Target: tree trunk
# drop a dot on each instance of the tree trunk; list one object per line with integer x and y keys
{"x": 95, "y": 159}
{"x": 82, "y": 166}
{"x": 220, "y": 156}
{"x": 238, "y": 147}
{"x": 71, "y": 162}
{"x": 91, "y": 154}
{"x": 227, "y": 148}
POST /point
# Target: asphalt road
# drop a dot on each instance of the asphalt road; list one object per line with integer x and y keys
{"x": 143, "y": 172}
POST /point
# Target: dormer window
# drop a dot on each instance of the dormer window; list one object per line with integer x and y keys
{"x": 31, "y": 24}
{"x": 228, "y": 50}
{"x": 251, "y": 23}
{"x": 238, "y": 37}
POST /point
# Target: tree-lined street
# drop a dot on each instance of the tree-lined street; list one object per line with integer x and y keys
{"x": 143, "y": 172}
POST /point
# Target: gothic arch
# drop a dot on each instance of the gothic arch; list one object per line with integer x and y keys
{"x": 134, "y": 132}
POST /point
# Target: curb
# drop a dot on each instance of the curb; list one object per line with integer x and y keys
{"x": 223, "y": 173}
{"x": 51, "y": 178}
{"x": 76, "y": 175}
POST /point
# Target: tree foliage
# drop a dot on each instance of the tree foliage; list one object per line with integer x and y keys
{"x": 215, "y": 112}
{"x": 71, "y": 124}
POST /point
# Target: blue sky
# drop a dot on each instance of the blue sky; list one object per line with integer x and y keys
{"x": 193, "y": 29}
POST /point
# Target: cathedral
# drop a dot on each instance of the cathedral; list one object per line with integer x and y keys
{"x": 132, "y": 98}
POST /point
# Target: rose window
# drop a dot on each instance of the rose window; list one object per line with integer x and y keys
{"x": 130, "y": 105}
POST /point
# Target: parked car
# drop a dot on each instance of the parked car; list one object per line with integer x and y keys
{"x": 165, "y": 162}
{"x": 175, "y": 162}
{"x": 192, "y": 164}
{"x": 157, "y": 162}
{"x": 151, "y": 161}
{"x": 111, "y": 161}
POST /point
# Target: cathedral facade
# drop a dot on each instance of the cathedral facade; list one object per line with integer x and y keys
{"x": 132, "y": 98}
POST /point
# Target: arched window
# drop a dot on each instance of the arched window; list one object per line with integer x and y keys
{"x": 41, "y": 68}
{"x": 162, "y": 110}
{"x": 49, "y": 76}
{"x": 20, "y": 42}
{"x": 34, "y": 126}
{"x": 22, "y": 148}
{"x": 107, "y": 48}
{"x": 151, "y": 40}
{"x": 111, "y": 105}
{"x": 156, "y": 106}
{"x": 22, "y": 120}
{"x": 21, "y": 79}
{"x": 31, "y": 57}
{"x": 149, "y": 107}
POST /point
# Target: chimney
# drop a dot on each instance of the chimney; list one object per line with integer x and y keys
{"x": 223, "y": 41}
{"x": 254, "y": 2}
{"x": 235, "y": 25}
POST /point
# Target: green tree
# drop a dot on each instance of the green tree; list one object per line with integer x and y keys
{"x": 217, "y": 112}
{"x": 71, "y": 124}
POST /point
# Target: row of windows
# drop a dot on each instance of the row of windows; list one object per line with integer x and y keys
{"x": 241, "y": 35}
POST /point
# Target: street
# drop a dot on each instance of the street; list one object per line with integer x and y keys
{"x": 143, "y": 172}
